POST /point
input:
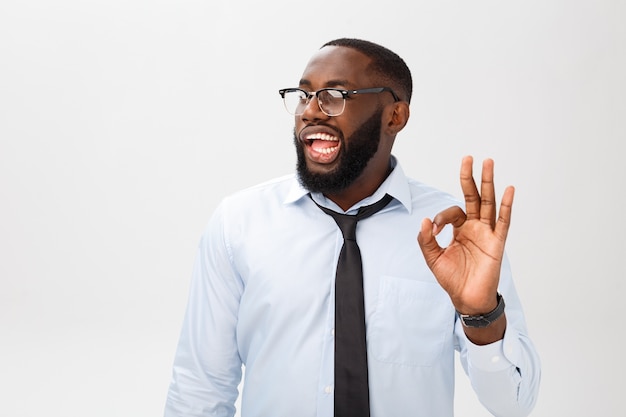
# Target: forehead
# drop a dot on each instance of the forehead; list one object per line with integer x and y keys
{"x": 337, "y": 66}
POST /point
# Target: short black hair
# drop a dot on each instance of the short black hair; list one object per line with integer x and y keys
{"x": 385, "y": 63}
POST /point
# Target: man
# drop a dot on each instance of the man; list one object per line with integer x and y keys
{"x": 263, "y": 293}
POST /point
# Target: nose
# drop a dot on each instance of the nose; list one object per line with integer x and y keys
{"x": 312, "y": 111}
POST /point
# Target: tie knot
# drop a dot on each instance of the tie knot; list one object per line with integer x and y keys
{"x": 347, "y": 223}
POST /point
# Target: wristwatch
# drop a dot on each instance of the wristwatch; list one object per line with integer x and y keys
{"x": 484, "y": 320}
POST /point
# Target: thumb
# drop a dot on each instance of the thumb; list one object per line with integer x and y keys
{"x": 427, "y": 242}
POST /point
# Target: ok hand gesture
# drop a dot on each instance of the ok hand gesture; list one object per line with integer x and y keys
{"x": 468, "y": 269}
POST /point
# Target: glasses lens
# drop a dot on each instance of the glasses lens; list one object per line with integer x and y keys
{"x": 295, "y": 101}
{"x": 331, "y": 102}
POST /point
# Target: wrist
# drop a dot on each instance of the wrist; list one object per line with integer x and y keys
{"x": 484, "y": 319}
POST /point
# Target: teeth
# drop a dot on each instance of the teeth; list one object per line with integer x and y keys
{"x": 327, "y": 150}
{"x": 321, "y": 136}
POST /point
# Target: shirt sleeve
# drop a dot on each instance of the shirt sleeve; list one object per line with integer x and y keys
{"x": 207, "y": 367}
{"x": 506, "y": 374}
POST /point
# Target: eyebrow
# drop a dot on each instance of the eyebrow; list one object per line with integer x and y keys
{"x": 330, "y": 83}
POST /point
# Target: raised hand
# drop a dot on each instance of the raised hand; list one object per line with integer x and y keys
{"x": 469, "y": 267}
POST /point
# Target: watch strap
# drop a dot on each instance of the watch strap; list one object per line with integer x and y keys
{"x": 484, "y": 320}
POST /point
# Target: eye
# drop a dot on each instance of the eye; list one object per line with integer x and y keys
{"x": 334, "y": 93}
{"x": 330, "y": 96}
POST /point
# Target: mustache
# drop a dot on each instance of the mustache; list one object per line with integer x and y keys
{"x": 336, "y": 131}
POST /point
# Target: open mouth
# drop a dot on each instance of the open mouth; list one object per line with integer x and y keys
{"x": 322, "y": 146}
{"x": 322, "y": 143}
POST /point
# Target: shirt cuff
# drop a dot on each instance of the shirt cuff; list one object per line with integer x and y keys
{"x": 495, "y": 356}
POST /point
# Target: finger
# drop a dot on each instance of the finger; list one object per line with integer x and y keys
{"x": 470, "y": 191}
{"x": 504, "y": 219}
{"x": 487, "y": 194}
{"x": 428, "y": 244}
{"x": 452, "y": 215}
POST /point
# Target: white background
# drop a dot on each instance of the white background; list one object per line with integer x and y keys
{"x": 123, "y": 123}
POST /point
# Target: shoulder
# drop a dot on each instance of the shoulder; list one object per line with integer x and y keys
{"x": 265, "y": 199}
{"x": 425, "y": 194}
{"x": 419, "y": 197}
{"x": 416, "y": 196}
{"x": 277, "y": 189}
{"x": 261, "y": 203}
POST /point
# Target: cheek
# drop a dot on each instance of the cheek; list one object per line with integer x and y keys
{"x": 348, "y": 128}
{"x": 354, "y": 118}
{"x": 299, "y": 124}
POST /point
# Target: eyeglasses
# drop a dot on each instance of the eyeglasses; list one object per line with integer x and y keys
{"x": 332, "y": 101}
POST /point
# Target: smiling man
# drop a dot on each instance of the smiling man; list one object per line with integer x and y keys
{"x": 315, "y": 283}
{"x": 346, "y": 155}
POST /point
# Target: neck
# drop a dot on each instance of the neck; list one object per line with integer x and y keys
{"x": 359, "y": 189}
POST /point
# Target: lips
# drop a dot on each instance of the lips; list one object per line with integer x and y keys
{"x": 321, "y": 143}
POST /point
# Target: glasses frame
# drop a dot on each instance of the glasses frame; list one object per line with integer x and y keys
{"x": 344, "y": 93}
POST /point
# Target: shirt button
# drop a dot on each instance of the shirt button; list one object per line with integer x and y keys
{"x": 328, "y": 389}
{"x": 332, "y": 331}
{"x": 495, "y": 359}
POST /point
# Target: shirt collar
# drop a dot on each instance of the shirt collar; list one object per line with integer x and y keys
{"x": 396, "y": 185}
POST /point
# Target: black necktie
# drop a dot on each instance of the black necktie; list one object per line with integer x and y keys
{"x": 351, "y": 386}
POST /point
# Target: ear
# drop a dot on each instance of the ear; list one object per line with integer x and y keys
{"x": 397, "y": 117}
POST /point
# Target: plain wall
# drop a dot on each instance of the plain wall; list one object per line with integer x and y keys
{"x": 124, "y": 123}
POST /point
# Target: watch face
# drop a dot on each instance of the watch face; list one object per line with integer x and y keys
{"x": 479, "y": 321}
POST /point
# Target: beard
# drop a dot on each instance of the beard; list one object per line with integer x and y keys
{"x": 361, "y": 147}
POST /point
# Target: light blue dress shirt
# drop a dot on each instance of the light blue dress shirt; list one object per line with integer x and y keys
{"x": 262, "y": 296}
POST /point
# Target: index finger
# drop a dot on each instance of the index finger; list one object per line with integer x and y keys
{"x": 452, "y": 215}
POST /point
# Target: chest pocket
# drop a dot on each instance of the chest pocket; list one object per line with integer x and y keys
{"x": 412, "y": 322}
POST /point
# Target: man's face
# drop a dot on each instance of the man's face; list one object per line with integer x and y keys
{"x": 350, "y": 163}
{"x": 334, "y": 152}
